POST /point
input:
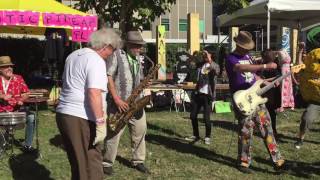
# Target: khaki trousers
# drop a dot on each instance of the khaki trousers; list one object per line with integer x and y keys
{"x": 137, "y": 130}
{"x": 78, "y": 135}
{"x": 310, "y": 115}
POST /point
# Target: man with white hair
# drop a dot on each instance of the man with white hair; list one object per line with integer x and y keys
{"x": 81, "y": 109}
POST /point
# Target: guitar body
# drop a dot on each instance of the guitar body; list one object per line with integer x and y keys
{"x": 246, "y": 101}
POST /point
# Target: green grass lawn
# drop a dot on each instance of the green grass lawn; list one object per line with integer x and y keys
{"x": 170, "y": 157}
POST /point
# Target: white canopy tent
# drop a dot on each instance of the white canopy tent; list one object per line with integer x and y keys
{"x": 301, "y": 14}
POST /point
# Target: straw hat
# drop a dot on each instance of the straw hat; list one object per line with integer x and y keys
{"x": 244, "y": 40}
{"x": 5, "y": 61}
{"x": 134, "y": 37}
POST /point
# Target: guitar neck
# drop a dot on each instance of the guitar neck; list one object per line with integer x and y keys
{"x": 271, "y": 85}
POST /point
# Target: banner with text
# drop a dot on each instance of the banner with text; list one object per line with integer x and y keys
{"x": 82, "y": 26}
{"x": 19, "y": 18}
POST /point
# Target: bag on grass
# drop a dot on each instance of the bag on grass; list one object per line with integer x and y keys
{"x": 222, "y": 107}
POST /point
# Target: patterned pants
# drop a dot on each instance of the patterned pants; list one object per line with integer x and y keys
{"x": 261, "y": 120}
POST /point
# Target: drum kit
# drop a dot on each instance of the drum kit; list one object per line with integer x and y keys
{"x": 11, "y": 121}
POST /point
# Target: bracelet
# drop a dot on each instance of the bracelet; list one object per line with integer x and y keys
{"x": 100, "y": 121}
{"x": 264, "y": 66}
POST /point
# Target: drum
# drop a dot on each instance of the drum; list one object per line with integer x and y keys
{"x": 12, "y": 118}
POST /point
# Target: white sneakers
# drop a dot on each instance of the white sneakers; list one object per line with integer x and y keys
{"x": 194, "y": 139}
{"x": 207, "y": 140}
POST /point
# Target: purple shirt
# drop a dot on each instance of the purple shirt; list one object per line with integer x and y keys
{"x": 238, "y": 80}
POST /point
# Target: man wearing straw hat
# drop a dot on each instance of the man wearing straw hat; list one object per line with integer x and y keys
{"x": 124, "y": 72}
{"x": 241, "y": 73}
{"x": 13, "y": 91}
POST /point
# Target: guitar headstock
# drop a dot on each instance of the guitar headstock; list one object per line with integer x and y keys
{"x": 297, "y": 68}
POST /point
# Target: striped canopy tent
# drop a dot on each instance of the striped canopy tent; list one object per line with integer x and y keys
{"x": 32, "y": 17}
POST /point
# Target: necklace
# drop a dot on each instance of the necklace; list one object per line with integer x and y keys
{"x": 5, "y": 85}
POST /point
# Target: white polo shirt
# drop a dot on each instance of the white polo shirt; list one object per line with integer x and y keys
{"x": 84, "y": 69}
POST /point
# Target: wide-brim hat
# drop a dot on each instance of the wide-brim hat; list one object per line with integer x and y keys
{"x": 5, "y": 61}
{"x": 134, "y": 37}
{"x": 244, "y": 40}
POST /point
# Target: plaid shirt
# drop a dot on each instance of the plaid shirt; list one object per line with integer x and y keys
{"x": 16, "y": 87}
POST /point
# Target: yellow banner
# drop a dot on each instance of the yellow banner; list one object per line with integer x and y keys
{"x": 161, "y": 52}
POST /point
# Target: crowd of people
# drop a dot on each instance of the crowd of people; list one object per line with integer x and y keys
{"x": 98, "y": 79}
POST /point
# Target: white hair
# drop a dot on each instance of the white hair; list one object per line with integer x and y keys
{"x": 104, "y": 37}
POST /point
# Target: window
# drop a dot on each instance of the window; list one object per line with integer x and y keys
{"x": 201, "y": 26}
{"x": 146, "y": 26}
{"x": 183, "y": 25}
{"x": 166, "y": 24}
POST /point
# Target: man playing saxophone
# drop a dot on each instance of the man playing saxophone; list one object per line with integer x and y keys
{"x": 124, "y": 73}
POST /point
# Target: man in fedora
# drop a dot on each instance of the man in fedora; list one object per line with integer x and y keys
{"x": 242, "y": 75}
{"x": 13, "y": 91}
{"x": 124, "y": 72}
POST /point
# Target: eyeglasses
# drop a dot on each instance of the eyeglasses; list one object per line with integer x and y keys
{"x": 110, "y": 46}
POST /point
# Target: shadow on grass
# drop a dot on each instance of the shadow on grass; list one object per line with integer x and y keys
{"x": 57, "y": 141}
{"x": 224, "y": 124}
{"x": 232, "y": 126}
{"x": 228, "y": 125}
{"x": 182, "y": 147}
{"x": 282, "y": 138}
{"x": 25, "y": 166}
{"x": 298, "y": 169}
{"x": 315, "y": 130}
{"x": 161, "y": 129}
{"x": 124, "y": 161}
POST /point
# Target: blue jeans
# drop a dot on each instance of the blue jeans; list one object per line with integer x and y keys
{"x": 29, "y": 131}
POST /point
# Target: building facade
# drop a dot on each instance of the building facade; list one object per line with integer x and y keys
{"x": 176, "y": 22}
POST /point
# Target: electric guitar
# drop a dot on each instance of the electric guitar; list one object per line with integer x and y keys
{"x": 246, "y": 101}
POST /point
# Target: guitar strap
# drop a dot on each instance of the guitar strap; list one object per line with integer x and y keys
{"x": 251, "y": 60}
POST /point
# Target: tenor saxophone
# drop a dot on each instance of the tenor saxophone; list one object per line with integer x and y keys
{"x": 119, "y": 120}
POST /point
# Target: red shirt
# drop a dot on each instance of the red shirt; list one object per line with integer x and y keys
{"x": 16, "y": 87}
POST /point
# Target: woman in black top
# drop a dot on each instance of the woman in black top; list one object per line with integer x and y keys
{"x": 204, "y": 95}
{"x": 274, "y": 94}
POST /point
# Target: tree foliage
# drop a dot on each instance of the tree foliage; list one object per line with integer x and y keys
{"x": 229, "y": 6}
{"x": 130, "y": 14}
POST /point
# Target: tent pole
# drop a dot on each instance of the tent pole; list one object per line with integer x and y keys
{"x": 218, "y": 48}
{"x": 268, "y": 30}
{"x": 262, "y": 39}
{"x": 219, "y": 36}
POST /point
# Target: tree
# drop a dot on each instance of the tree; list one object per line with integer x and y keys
{"x": 229, "y": 6}
{"x": 130, "y": 14}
